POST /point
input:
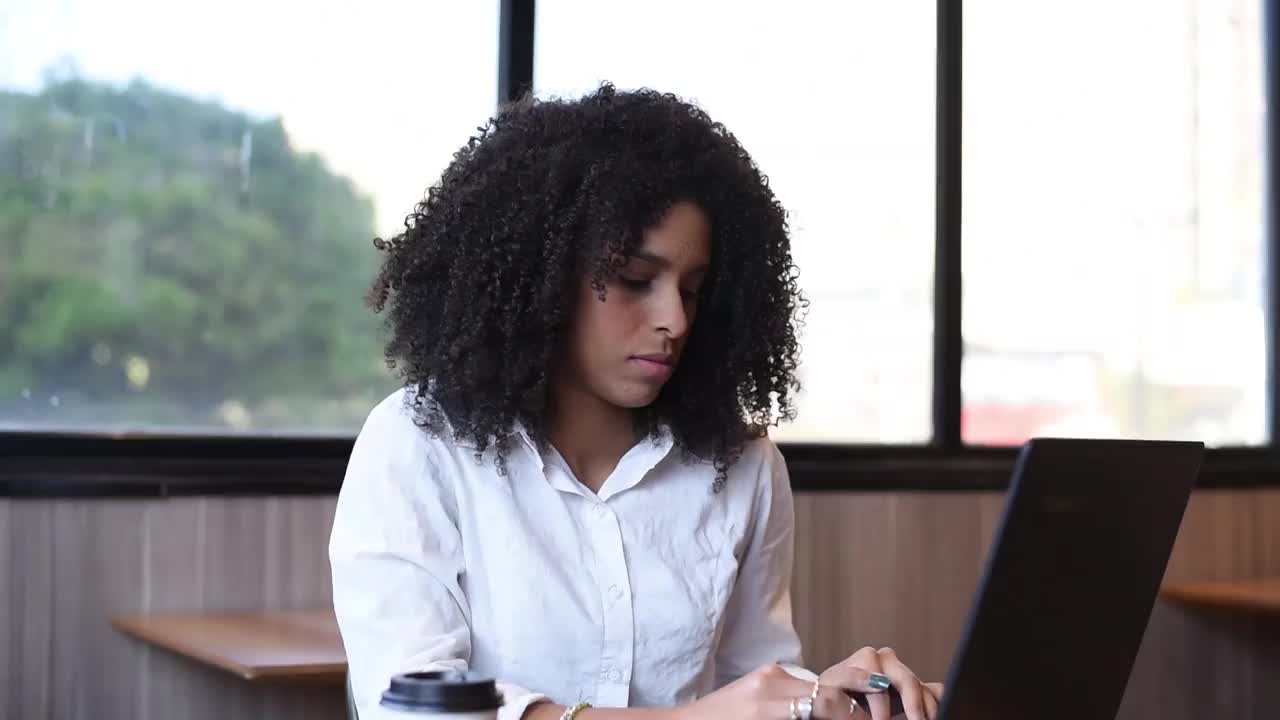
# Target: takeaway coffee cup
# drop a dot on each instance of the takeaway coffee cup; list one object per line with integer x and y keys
{"x": 443, "y": 696}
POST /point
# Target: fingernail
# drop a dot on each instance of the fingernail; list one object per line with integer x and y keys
{"x": 880, "y": 681}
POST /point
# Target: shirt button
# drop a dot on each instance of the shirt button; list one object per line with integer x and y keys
{"x": 615, "y": 592}
{"x": 602, "y": 512}
{"x": 615, "y": 675}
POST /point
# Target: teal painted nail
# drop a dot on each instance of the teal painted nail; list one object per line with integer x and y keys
{"x": 880, "y": 682}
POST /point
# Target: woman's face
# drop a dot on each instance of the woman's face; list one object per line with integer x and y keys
{"x": 623, "y": 349}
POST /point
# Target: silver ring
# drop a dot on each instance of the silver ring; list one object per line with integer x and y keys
{"x": 805, "y": 706}
{"x": 795, "y": 711}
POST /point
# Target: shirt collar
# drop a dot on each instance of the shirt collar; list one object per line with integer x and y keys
{"x": 634, "y": 466}
{"x": 638, "y": 462}
{"x": 517, "y": 430}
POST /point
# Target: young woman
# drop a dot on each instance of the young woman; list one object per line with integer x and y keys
{"x": 594, "y": 314}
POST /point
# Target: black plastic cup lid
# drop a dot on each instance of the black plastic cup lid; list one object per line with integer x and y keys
{"x": 442, "y": 692}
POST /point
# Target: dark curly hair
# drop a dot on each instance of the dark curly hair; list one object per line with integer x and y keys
{"x": 479, "y": 289}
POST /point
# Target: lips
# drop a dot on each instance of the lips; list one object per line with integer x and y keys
{"x": 658, "y": 358}
{"x": 655, "y": 366}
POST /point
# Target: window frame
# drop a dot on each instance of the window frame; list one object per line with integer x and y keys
{"x": 66, "y": 464}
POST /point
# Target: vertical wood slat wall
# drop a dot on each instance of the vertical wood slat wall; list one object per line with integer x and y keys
{"x": 871, "y": 569}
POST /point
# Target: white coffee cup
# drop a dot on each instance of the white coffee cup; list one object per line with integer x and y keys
{"x": 443, "y": 696}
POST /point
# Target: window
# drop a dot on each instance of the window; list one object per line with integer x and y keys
{"x": 186, "y": 216}
{"x": 190, "y": 191}
{"x": 835, "y": 102}
{"x": 1113, "y": 221}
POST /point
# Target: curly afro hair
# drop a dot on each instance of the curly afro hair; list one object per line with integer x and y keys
{"x": 479, "y": 288}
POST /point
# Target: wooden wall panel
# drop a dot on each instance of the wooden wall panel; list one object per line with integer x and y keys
{"x": 900, "y": 570}
{"x": 882, "y": 569}
{"x": 97, "y": 571}
{"x": 1195, "y": 664}
{"x": 298, "y": 571}
{"x": 73, "y": 564}
{"x": 239, "y": 552}
{"x": 871, "y": 569}
{"x": 8, "y": 607}
{"x": 30, "y": 628}
{"x": 173, "y": 581}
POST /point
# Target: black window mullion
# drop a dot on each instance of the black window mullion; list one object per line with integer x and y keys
{"x": 1271, "y": 199}
{"x": 515, "y": 49}
{"x": 948, "y": 339}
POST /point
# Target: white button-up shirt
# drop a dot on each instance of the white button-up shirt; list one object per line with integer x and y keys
{"x": 652, "y": 592}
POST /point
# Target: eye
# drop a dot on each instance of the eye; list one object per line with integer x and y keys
{"x": 633, "y": 283}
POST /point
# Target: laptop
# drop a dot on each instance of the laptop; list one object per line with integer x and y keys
{"x": 1071, "y": 579}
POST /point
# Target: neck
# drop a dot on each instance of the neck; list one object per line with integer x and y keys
{"x": 590, "y": 434}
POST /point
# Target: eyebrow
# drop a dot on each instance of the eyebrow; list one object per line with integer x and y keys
{"x": 662, "y": 263}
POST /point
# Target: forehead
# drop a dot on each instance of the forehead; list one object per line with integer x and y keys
{"x": 681, "y": 239}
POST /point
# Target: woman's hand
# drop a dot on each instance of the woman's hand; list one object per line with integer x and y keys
{"x": 919, "y": 700}
{"x": 767, "y": 692}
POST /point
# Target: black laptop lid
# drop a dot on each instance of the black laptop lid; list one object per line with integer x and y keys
{"x": 1071, "y": 579}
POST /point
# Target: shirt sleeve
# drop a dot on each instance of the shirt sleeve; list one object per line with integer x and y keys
{"x": 758, "y": 627}
{"x": 396, "y": 557}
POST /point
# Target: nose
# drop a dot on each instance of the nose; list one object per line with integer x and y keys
{"x": 672, "y": 313}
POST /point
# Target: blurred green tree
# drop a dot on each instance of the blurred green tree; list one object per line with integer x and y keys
{"x": 165, "y": 260}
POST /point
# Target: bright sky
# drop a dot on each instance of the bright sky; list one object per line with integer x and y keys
{"x": 385, "y": 90}
{"x": 388, "y": 91}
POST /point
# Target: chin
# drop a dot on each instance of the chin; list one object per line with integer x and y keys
{"x": 632, "y": 403}
{"x": 633, "y": 399}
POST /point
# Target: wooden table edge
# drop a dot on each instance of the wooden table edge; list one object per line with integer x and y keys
{"x": 330, "y": 672}
{"x": 1208, "y": 594}
{"x": 135, "y": 626}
